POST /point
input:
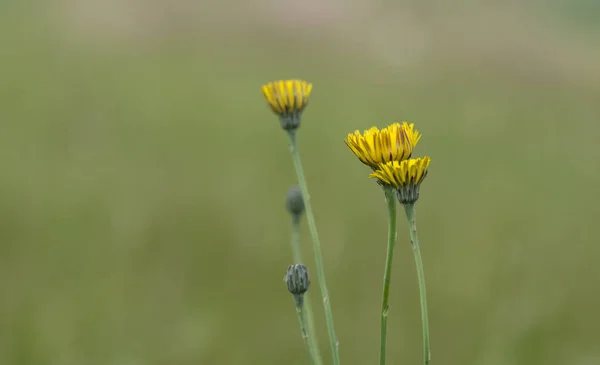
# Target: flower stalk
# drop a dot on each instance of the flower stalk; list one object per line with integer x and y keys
{"x": 305, "y": 337}
{"x": 412, "y": 226}
{"x": 316, "y": 245}
{"x": 390, "y": 198}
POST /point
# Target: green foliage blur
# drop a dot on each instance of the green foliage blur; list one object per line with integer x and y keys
{"x": 142, "y": 192}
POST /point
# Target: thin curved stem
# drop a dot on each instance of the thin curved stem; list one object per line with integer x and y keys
{"x": 316, "y": 246}
{"x": 310, "y": 331}
{"x": 390, "y": 198}
{"x": 412, "y": 225}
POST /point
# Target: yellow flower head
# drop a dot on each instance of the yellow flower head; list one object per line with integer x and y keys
{"x": 287, "y": 99}
{"x": 375, "y": 147}
{"x": 405, "y": 176}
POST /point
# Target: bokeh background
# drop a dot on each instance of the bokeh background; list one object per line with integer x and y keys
{"x": 143, "y": 179}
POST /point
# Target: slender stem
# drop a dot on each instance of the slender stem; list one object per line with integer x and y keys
{"x": 305, "y": 337}
{"x": 313, "y": 344}
{"x": 316, "y": 247}
{"x": 412, "y": 224}
{"x": 295, "y": 242}
{"x": 390, "y": 198}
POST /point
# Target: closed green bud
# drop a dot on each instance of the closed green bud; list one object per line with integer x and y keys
{"x": 297, "y": 281}
{"x": 294, "y": 201}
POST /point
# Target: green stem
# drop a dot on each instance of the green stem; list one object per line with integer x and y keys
{"x": 316, "y": 247}
{"x": 313, "y": 344}
{"x": 295, "y": 243}
{"x": 412, "y": 224}
{"x": 390, "y": 198}
{"x": 305, "y": 337}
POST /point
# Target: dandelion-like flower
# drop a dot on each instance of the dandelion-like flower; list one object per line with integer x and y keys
{"x": 375, "y": 147}
{"x": 405, "y": 176}
{"x": 388, "y": 153}
{"x": 287, "y": 99}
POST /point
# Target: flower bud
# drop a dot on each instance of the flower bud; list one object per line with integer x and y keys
{"x": 294, "y": 201}
{"x": 297, "y": 280}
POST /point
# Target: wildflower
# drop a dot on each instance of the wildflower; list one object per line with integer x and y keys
{"x": 287, "y": 99}
{"x": 375, "y": 147}
{"x": 405, "y": 176}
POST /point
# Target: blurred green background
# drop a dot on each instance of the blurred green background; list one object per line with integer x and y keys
{"x": 143, "y": 179}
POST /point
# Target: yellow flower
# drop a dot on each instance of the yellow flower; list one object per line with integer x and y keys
{"x": 375, "y": 147}
{"x": 405, "y": 176}
{"x": 287, "y": 99}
